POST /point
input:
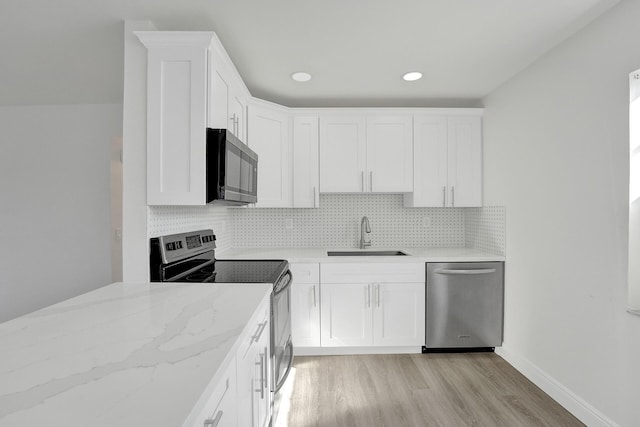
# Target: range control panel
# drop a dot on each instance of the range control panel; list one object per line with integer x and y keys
{"x": 175, "y": 247}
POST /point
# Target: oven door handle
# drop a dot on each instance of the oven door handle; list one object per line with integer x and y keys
{"x": 282, "y": 289}
{"x": 290, "y": 365}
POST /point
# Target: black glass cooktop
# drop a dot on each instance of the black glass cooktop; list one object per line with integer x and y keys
{"x": 236, "y": 271}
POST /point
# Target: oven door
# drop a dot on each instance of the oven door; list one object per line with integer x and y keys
{"x": 281, "y": 344}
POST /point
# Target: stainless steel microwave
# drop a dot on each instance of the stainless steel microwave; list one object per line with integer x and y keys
{"x": 232, "y": 169}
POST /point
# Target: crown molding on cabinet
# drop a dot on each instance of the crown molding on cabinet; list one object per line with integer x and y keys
{"x": 176, "y": 38}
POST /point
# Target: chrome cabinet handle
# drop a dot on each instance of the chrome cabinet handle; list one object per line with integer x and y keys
{"x": 474, "y": 271}
{"x": 453, "y": 200}
{"x": 261, "y": 363}
{"x": 314, "y": 197}
{"x": 259, "y": 331}
{"x": 266, "y": 365}
{"x": 378, "y": 295}
{"x": 362, "y": 178}
{"x": 368, "y": 296}
{"x": 371, "y": 181}
{"x": 315, "y": 303}
{"x": 214, "y": 422}
{"x": 233, "y": 123}
{"x": 444, "y": 196}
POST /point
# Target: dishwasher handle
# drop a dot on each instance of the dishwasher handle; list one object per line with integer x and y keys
{"x": 472, "y": 271}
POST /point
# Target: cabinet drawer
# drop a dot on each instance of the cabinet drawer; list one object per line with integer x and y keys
{"x": 305, "y": 273}
{"x": 220, "y": 409}
{"x": 373, "y": 273}
{"x": 260, "y": 327}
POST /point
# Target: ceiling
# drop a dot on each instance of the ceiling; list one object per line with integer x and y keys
{"x": 71, "y": 51}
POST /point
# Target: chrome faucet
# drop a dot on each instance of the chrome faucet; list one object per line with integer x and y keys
{"x": 365, "y": 233}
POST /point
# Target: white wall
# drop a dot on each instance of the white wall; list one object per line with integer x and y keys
{"x": 55, "y": 203}
{"x": 135, "y": 244}
{"x": 556, "y": 155}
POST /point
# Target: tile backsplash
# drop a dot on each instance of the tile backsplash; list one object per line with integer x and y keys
{"x": 336, "y": 224}
{"x": 164, "y": 220}
{"x": 485, "y": 229}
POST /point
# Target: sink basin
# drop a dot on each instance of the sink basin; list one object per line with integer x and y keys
{"x": 366, "y": 253}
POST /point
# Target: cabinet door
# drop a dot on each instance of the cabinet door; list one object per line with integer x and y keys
{"x": 220, "y": 406}
{"x": 305, "y": 314}
{"x": 429, "y": 162}
{"x": 253, "y": 383}
{"x": 399, "y": 314}
{"x": 389, "y": 154}
{"x": 465, "y": 161}
{"x": 306, "y": 178}
{"x": 269, "y": 137}
{"x": 346, "y": 317}
{"x": 219, "y": 94}
{"x": 246, "y": 385}
{"x": 262, "y": 389}
{"x": 176, "y": 117}
{"x": 342, "y": 154}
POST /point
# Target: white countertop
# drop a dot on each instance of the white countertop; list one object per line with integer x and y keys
{"x": 320, "y": 255}
{"x": 125, "y": 355}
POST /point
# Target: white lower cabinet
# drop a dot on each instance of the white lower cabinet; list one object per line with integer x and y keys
{"x": 220, "y": 408}
{"x": 399, "y": 314}
{"x": 347, "y": 319}
{"x": 372, "y": 305}
{"x": 305, "y": 305}
{"x": 253, "y": 383}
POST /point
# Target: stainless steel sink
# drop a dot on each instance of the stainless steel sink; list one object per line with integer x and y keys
{"x": 366, "y": 253}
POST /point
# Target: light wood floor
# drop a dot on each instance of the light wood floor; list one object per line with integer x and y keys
{"x": 449, "y": 390}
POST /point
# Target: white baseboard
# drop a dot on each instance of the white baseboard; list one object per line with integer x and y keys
{"x": 561, "y": 394}
{"x": 333, "y": 351}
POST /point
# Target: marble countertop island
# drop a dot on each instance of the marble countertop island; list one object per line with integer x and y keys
{"x": 125, "y": 355}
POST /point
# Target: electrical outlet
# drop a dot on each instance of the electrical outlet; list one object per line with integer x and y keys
{"x": 426, "y": 222}
{"x": 288, "y": 223}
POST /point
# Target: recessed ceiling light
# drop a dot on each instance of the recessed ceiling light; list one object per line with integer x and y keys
{"x": 301, "y": 76}
{"x": 414, "y": 75}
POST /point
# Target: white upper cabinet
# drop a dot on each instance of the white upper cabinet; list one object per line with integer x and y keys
{"x": 176, "y": 116}
{"x": 306, "y": 176}
{"x": 371, "y": 153}
{"x": 465, "y": 161}
{"x": 447, "y": 161}
{"x": 227, "y": 96}
{"x": 430, "y": 162}
{"x": 342, "y": 154}
{"x": 433, "y": 156}
{"x": 390, "y": 154}
{"x": 191, "y": 85}
{"x": 268, "y": 136}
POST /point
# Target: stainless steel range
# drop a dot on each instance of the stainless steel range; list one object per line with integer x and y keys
{"x": 190, "y": 257}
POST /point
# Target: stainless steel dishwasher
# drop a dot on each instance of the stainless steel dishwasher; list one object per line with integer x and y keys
{"x": 464, "y": 305}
